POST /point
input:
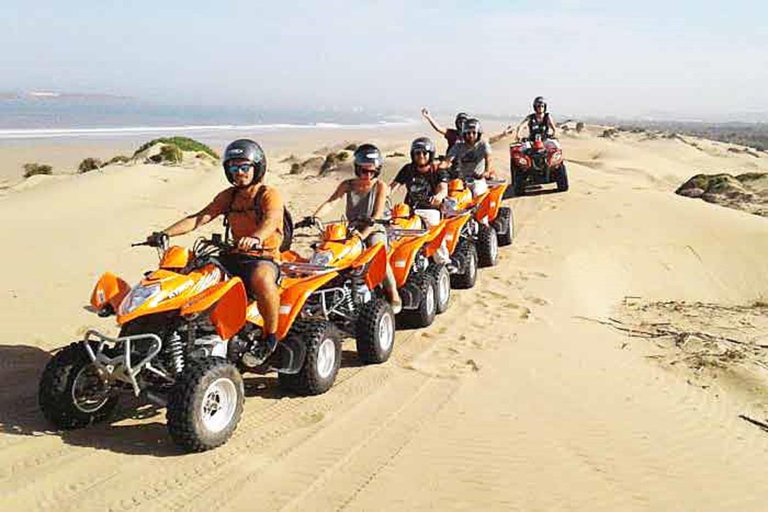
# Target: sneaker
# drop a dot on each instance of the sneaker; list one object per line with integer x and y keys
{"x": 397, "y": 307}
{"x": 259, "y": 351}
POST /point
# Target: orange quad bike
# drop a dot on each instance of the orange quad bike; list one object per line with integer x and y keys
{"x": 423, "y": 283}
{"x": 493, "y": 226}
{"x": 352, "y": 299}
{"x": 184, "y": 329}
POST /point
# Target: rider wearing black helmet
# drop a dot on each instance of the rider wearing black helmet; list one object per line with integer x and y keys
{"x": 425, "y": 183}
{"x": 471, "y": 156}
{"x": 451, "y": 135}
{"x": 539, "y": 123}
{"x": 366, "y": 198}
{"x": 254, "y": 213}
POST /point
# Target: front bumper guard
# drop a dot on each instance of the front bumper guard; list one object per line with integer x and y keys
{"x": 121, "y": 367}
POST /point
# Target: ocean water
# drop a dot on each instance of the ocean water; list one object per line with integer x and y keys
{"x": 73, "y": 118}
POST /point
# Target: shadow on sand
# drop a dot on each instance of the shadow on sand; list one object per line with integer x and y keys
{"x": 136, "y": 428}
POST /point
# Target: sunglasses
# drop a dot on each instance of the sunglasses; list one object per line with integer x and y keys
{"x": 368, "y": 171}
{"x": 420, "y": 152}
{"x": 233, "y": 169}
{"x": 467, "y": 134}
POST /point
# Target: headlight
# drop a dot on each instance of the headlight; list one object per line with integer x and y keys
{"x": 136, "y": 297}
{"x": 321, "y": 258}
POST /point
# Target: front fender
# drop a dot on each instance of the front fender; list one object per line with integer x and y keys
{"x": 293, "y": 297}
{"x": 109, "y": 290}
{"x": 489, "y": 207}
{"x": 403, "y": 257}
{"x": 228, "y": 300}
{"x": 453, "y": 229}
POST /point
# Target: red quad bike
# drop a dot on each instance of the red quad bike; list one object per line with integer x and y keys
{"x": 537, "y": 163}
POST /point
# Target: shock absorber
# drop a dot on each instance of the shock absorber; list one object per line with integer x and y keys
{"x": 176, "y": 353}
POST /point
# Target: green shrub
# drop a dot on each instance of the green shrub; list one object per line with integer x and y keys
{"x": 170, "y": 153}
{"x": 33, "y": 169}
{"x": 295, "y": 168}
{"x": 89, "y": 164}
{"x": 182, "y": 143}
{"x": 119, "y": 159}
{"x": 342, "y": 156}
{"x": 395, "y": 154}
{"x": 330, "y": 164}
{"x": 351, "y": 147}
{"x": 579, "y": 127}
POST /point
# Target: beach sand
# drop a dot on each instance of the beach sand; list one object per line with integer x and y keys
{"x": 527, "y": 394}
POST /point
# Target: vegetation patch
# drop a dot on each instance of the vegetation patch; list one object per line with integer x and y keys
{"x": 181, "y": 143}
{"x": 747, "y": 192}
{"x": 90, "y": 164}
{"x": 33, "y": 169}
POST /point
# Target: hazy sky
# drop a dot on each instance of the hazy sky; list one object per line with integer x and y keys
{"x": 600, "y": 57}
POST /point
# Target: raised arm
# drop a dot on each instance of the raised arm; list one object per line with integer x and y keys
{"x": 425, "y": 113}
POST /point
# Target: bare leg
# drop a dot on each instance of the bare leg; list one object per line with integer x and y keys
{"x": 264, "y": 286}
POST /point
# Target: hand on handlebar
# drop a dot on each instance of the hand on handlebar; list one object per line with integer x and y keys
{"x": 157, "y": 239}
{"x": 247, "y": 243}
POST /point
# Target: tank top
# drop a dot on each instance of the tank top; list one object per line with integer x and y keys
{"x": 536, "y": 127}
{"x": 360, "y": 205}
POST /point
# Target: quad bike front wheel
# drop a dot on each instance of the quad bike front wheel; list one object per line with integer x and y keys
{"x": 505, "y": 226}
{"x": 487, "y": 246}
{"x": 321, "y": 362}
{"x": 442, "y": 286}
{"x": 466, "y": 256}
{"x": 562, "y": 179}
{"x": 206, "y": 404}
{"x": 375, "y": 331}
{"x": 518, "y": 183}
{"x": 423, "y": 315}
{"x": 72, "y": 393}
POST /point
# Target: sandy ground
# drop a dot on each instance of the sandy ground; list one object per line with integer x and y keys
{"x": 520, "y": 397}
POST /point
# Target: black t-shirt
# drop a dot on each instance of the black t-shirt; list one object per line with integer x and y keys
{"x": 451, "y": 136}
{"x": 536, "y": 127}
{"x": 421, "y": 185}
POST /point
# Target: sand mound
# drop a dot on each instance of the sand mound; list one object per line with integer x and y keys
{"x": 747, "y": 192}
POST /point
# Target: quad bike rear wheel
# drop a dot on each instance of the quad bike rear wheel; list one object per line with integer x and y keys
{"x": 72, "y": 394}
{"x": 442, "y": 286}
{"x": 424, "y": 315}
{"x": 466, "y": 254}
{"x": 562, "y": 179}
{"x": 375, "y": 331}
{"x": 518, "y": 183}
{"x": 487, "y": 246}
{"x": 505, "y": 226}
{"x": 206, "y": 404}
{"x": 321, "y": 362}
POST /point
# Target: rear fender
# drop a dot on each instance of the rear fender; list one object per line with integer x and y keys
{"x": 453, "y": 228}
{"x": 292, "y": 300}
{"x": 109, "y": 291}
{"x": 227, "y": 301}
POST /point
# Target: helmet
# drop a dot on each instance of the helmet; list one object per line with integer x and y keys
{"x": 368, "y": 154}
{"x": 472, "y": 124}
{"x": 461, "y": 117}
{"x": 246, "y": 149}
{"x": 423, "y": 144}
{"x": 539, "y": 100}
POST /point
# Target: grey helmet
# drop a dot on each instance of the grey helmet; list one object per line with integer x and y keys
{"x": 423, "y": 144}
{"x": 246, "y": 149}
{"x": 461, "y": 117}
{"x": 539, "y": 100}
{"x": 472, "y": 124}
{"x": 368, "y": 154}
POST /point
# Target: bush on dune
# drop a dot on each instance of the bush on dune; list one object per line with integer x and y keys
{"x": 33, "y": 169}
{"x": 89, "y": 164}
{"x": 119, "y": 159}
{"x": 181, "y": 143}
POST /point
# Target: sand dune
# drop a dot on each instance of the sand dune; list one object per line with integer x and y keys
{"x": 517, "y": 398}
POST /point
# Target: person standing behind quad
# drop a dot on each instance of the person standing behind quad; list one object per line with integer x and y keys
{"x": 254, "y": 213}
{"x": 366, "y": 197}
{"x": 539, "y": 123}
{"x": 471, "y": 157}
{"x": 451, "y": 135}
